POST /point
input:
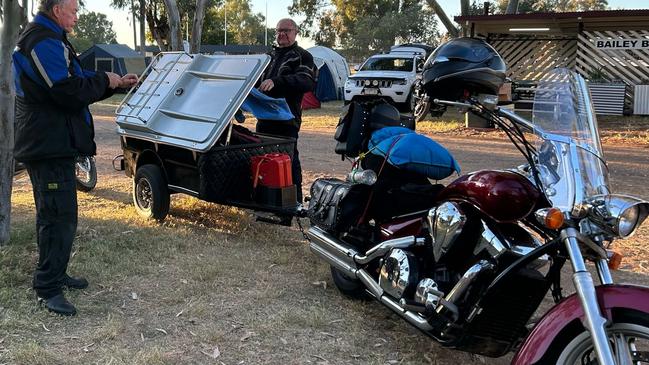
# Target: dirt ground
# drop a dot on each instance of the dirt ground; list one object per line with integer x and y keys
{"x": 261, "y": 296}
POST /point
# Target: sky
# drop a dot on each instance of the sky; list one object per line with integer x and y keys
{"x": 277, "y": 9}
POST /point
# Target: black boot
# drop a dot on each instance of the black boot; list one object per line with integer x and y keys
{"x": 59, "y": 305}
{"x": 72, "y": 282}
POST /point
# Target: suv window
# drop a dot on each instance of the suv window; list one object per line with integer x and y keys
{"x": 387, "y": 64}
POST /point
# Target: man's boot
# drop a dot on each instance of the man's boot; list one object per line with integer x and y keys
{"x": 59, "y": 305}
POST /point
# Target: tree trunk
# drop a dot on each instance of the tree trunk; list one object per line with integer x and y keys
{"x": 142, "y": 31}
{"x": 512, "y": 7}
{"x": 12, "y": 17}
{"x": 454, "y": 32}
{"x": 150, "y": 19}
{"x": 464, "y": 7}
{"x": 174, "y": 25}
{"x": 197, "y": 27}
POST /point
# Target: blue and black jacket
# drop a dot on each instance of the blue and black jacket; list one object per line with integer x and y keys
{"x": 52, "y": 95}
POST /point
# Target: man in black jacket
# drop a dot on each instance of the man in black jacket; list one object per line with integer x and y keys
{"x": 290, "y": 74}
{"x": 53, "y": 126}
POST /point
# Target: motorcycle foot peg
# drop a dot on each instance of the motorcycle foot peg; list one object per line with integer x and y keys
{"x": 411, "y": 305}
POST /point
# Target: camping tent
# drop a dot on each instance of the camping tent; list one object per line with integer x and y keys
{"x": 332, "y": 74}
{"x": 117, "y": 58}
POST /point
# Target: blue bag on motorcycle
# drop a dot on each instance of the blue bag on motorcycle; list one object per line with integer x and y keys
{"x": 407, "y": 150}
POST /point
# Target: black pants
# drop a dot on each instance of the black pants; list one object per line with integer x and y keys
{"x": 55, "y": 197}
{"x": 286, "y": 129}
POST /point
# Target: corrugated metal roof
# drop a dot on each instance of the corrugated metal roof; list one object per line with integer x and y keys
{"x": 566, "y": 15}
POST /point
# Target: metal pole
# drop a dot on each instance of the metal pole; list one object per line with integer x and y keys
{"x": 225, "y": 30}
{"x": 266, "y": 26}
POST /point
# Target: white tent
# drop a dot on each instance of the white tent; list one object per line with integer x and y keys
{"x": 331, "y": 79}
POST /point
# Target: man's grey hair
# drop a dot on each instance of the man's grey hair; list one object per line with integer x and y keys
{"x": 46, "y": 6}
{"x": 290, "y": 21}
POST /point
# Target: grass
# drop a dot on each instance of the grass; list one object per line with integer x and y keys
{"x": 207, "y": 278}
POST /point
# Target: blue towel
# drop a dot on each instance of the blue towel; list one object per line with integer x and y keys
{"x": 413, "y": 152}
{"x": 263, "y": 106}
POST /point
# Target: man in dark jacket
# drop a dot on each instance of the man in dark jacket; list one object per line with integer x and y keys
{"x": 289, "y": 75}
{"x": 53, "y": 126}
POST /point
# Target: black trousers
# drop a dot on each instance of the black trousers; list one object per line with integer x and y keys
{"x": 286, "y": 129}
{"x": 55, "y": 197}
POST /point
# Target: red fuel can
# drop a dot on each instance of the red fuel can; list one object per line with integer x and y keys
{"x": 271, "y": 170}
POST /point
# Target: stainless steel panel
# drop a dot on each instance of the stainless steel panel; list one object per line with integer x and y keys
{"x": 188, "y": 100}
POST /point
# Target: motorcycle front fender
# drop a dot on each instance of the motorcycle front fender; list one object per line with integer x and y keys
{"x": 560, "y": 316}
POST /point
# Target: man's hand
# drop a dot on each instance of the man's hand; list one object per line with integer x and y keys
{"x": 127, "y": 81}
{"x": 266, "y": 85}
{"x": 113, "y": 80}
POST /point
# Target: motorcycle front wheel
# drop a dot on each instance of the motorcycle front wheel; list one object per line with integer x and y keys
{"x": 628, "y": 336}
{"x": 86, "y": 173}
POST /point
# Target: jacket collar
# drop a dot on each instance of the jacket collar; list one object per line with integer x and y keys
{"x": 284, "y": 49}
{"x": 44, "y": 20}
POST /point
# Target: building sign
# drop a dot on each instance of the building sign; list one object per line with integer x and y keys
{"x": 622, "y": 43}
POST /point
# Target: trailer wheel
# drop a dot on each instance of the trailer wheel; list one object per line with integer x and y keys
{"x": 150, "y": 193}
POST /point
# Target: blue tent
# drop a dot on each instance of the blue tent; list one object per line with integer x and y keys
{"x": 325, "y": 89}
{"x": 332, "y": 73}
{"x": 117, "y": 58}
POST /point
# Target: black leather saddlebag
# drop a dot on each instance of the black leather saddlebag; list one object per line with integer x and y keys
{"x": 336, "y": 205}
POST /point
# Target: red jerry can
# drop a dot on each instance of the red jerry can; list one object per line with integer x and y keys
{"x": 272, "y": 170}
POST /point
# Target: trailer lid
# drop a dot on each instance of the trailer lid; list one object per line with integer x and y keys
{"x": 188, "y": 100}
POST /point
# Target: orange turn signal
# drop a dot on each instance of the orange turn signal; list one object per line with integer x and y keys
{"x": 550, "y": 217}
{"x": 614, "y": 259}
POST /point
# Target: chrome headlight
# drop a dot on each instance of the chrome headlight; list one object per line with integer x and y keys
{"x": 619, "y": 214}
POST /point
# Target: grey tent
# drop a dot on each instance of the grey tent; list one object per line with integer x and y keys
{"x": 117, "y": 58}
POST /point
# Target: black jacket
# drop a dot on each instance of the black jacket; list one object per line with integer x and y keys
{"x": 293, "y": 73}
{"x": 52, "y": 95}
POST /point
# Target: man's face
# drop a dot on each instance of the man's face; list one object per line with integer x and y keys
{"x": 286, "y": 33}
{"x": 65, "y": 14}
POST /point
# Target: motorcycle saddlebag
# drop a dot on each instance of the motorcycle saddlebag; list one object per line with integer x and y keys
{"x": 336, "y": 205}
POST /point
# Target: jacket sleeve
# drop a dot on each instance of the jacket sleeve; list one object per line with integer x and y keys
{"x": 303, "y": 77}
{"x": 108, "y": 93}
{"x": 52, "y": 59}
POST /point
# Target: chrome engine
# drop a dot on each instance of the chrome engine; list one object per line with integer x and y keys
{"x": 398, "y": 273}
{"x": 428, "y": 293}
{"x": 446, "y": 222}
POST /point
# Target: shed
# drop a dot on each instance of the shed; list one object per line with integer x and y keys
{"x": 604, "y": 45}
{"x": 117, "y": 58}
{"x": 333, "y": 71}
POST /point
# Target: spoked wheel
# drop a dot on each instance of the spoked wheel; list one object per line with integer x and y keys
{"x": 150, "y": 193}
{"x": 350, "y": 287}
{"x": 628, "y": 336}
{"x": 420, "y": 103}
{"x": 86, "y": 173}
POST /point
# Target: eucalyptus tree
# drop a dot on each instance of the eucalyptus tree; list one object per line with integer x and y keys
{"x": 160, "y": 17}
{"x": 13, "y": 15}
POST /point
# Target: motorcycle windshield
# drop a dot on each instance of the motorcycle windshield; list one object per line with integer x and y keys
{"x": 570, "y": 161}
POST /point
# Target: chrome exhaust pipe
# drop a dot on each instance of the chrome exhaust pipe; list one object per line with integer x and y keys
{"x": 334, "y": 252}
{"x": 345, "y": 258}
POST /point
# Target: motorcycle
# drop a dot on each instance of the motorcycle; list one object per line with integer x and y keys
{"x": 470, "y": 263}
{"x": 85, "y": 171}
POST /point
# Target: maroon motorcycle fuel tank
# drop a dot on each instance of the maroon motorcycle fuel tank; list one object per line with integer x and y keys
{"x": 504, "y": 196}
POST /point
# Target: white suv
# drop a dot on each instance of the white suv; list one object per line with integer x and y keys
{"x": 390, "y": 76}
